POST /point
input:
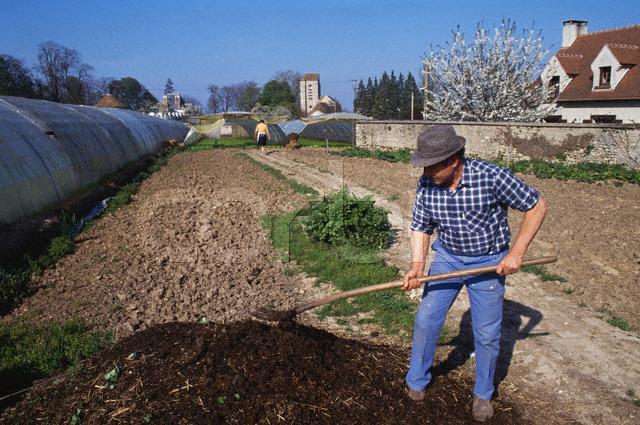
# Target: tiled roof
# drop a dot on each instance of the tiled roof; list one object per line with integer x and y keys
{"x": 321, "y": 107}
{"x": 626, "y": 54}
{"x": 571, "y": 63}
{"x": 311, "y": 77}
{"x": 577, "y": 59}
{"x": 109, "y": 101}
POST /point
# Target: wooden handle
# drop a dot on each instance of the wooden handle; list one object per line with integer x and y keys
{"x": 398, "y": 283}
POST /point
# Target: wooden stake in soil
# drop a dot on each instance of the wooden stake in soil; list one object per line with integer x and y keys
{"x": 270, "y": 315}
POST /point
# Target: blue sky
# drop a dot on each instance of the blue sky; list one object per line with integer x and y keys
{"x": 197, "y": 42}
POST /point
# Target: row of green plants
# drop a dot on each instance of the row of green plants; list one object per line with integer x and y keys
{"x": 340, "y": 240}
{"x": 589, "y": 172}
{"x": 15, "y": 280}
{"x": 390, "y": 156}
{"x": 208, "y": 144}
{"x": 29, "y": 352}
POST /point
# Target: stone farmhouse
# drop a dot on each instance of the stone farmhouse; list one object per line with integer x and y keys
{"x": 595, "y": 77}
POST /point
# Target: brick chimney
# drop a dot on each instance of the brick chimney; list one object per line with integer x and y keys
{"x": 572, "y": 29}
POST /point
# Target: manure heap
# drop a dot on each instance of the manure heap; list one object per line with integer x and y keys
{"x": 247, "y": 373}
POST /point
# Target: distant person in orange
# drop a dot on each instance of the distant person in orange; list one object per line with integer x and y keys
{"x": 262, "y": 135}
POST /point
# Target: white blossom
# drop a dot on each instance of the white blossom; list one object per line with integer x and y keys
{"x": 492, "y": 79}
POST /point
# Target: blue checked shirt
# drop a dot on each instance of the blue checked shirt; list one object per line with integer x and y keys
{"x": 472, "y": 220}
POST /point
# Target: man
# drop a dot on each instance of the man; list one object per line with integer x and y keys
{"x": 466, "y": 201}
{"x": 262, "y": 135}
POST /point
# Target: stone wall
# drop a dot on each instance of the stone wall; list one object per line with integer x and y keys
{"x": 611, "y": 144}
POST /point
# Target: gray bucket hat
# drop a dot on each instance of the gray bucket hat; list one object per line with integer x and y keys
{"x": 436, "y": 144}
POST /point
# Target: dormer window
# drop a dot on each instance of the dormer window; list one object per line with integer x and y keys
{"x": 605, "y": 77}
{"x": 554, "y": 87}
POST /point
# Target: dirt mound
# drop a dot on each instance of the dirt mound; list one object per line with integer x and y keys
{"x": 246, "y": 373}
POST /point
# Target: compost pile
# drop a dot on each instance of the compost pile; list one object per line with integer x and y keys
{"x": 245, "y": 373}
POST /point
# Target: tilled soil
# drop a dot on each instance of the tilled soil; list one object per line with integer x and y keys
{"x": 191, "y": 246}
{"x": 592, "y": 228}
{"x": 562, "y": 361}
{"x": 247, "y": 373}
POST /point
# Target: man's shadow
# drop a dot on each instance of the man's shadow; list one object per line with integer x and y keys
{"x": 512, "y": 331}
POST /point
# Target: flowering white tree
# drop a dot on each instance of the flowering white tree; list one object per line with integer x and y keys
{"x": 491, "y": 79}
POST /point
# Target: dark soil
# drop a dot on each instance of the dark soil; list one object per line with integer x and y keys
{"x": 247, "y": 373}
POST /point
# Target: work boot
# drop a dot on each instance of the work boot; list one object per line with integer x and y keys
{"x": 482, "y": 409}
{"x": 415, "y": 395}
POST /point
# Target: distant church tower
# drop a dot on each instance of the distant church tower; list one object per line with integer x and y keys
{"x": 309, "y": 92}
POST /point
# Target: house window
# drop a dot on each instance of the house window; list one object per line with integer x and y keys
{"x": 554, "y": 87}
{"x": 605, "y": 119}
{"x": 605, "y": 76}
{"x": 554, "y": 119}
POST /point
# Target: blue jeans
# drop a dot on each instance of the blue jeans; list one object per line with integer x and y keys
{"x": 486, "y": 295}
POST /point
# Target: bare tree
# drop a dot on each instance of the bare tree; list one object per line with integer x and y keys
{"x": 290, "y": 77}
{"x": 248, "y": 93}
{"x": 62, "y": 71}
{"x": 241, "y": 96}
{"x": 49, "y": 59}
{"x": 101, "y": 86}
{"x": 228, "y": 97}
{"x": 214, "y": 98}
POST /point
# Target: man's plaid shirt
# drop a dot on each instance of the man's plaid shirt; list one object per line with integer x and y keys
{"x": 472, "y": 220}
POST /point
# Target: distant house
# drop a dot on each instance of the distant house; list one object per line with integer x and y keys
{"x": 325, "y": 105}
{"x": 595, "y": 77}
{"x": 173, "y": 106}
{"x": 172, "y": 102}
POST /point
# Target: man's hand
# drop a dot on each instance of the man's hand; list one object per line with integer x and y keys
{"x": 530, "y": 224}
{"x": 411, "y": 277}
{"x": 510, "y": 264}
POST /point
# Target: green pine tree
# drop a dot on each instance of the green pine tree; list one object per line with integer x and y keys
{"x": 369, "y": 98}
{"x": 382, "y": 106}
{"x": 405, "y": 99}
{"x": 418, "y": 101}
{"x": 359, "y": 99}
{"x": 394, "y": 97}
